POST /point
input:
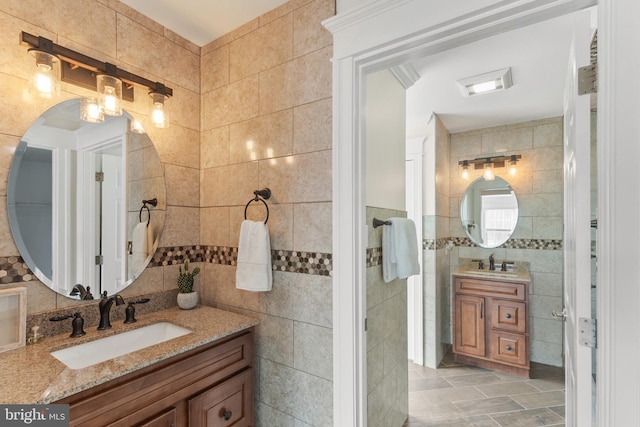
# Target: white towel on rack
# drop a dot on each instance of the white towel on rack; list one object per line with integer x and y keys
{"x": 399, "y": 249}
{"x": 140, "y": 247}
{"x": 253, "y": 271}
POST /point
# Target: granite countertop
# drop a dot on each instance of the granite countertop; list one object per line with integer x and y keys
{"x": 30, "y": 375}
{"x": 511, "y": 276}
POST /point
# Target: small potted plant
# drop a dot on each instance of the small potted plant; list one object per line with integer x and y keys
{"x": 187, "y": 297}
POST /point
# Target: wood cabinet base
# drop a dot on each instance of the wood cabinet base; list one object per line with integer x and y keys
{"x": 211, "y": 385}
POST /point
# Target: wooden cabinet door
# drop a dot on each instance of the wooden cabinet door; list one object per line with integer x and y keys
{"x": 227, "y": 404}
{"x": 469, "y": 325}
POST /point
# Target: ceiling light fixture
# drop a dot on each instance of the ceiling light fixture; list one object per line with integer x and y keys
{"x": 487, "y": 82}
{"x": 488, "y": 164}
{"x": 112, "y": 83}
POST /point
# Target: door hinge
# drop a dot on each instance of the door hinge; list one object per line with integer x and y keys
{"x": 365, "y": 324}
{"x": 99, "y": 176}
{"x": 99, "y": 259}
{"x": 588, "y": 79}
{"x": 587, "y": 332}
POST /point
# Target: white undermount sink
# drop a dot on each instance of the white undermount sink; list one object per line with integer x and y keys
{"x": 93, "y": 352}
{"x": 493, "y": 273}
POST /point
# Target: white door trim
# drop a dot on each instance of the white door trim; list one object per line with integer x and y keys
{"x": 411, "y": 27}
{"x": 618, "y": 230}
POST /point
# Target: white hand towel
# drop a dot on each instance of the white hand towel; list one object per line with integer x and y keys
{"x": 253, "y": 272}
{"x": 399, "y": 249}
{"x": 139, "y": 248}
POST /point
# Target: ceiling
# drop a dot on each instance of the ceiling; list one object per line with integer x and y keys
{"x": 202, "y": 21}
{"x": 537, "y": 55}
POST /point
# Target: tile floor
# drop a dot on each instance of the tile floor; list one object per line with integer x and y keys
{"x": 464, "y": 396}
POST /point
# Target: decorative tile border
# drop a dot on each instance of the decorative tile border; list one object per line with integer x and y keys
{"x": 316, "y": 263}
{"x": 374, "y": 255}
{"x": 540, "y": 244}
{"x": 13, "y": 269}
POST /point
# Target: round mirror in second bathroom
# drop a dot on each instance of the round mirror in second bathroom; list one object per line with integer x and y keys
{"x": 489, "y": 212}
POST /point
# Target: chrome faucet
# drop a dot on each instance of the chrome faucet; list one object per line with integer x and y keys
{"x": 492, "y": 263}
{"x": 105, "y": 307}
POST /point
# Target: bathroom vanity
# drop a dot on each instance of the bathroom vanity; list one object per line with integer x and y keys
{"x": 490, "y": 319}
{"x": 204, "y": 378}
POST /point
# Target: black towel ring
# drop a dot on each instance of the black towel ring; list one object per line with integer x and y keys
{"x": 260, "y": 195}
{"x": 153, "y": 202}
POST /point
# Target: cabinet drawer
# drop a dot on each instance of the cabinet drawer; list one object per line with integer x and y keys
{"x": 228, "y": 404}
{"x": 507, "y": 347}
{"x": 508, "y": 315}
{"x": 500, "y": 289}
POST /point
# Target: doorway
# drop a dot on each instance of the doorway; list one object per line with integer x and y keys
{"x": 347, "y": 223}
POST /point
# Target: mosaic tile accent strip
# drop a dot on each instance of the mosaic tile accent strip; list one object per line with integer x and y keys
{"x": 540, "y": 244}
{"x": 316, "y": 263}
{"x": 428, "y": 244}
{"x": 13, "y": 269}
{"x": 282, "y": 260}
{"x": 374, "y": 257}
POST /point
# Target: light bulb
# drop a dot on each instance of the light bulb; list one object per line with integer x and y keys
{"x": 46, "y": 80}
{"x": 110, "y": 90}
{"x": 488, "y": 172}
{"x": 90, "y": 111}
{"x": 158, "y": 116}
{"x": 136, "y": 127}
{"x": 512, "y": 165}
{"x": 465, "y": 169}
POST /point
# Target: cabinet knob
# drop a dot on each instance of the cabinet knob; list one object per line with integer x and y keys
{"x": 226, "y": 414}
{"x": 508, "y": 316}
{"x": 508, "y": 348}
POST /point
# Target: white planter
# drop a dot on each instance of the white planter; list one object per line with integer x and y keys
{"x": 187, "y": 301}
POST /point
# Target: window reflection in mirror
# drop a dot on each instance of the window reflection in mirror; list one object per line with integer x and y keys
{"x": 489, "y": 212}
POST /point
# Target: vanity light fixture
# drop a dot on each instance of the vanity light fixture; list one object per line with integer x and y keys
{"x": 111, "y": 83}
{"x": 488, "y": 164}
{"x": 487, "y": 82}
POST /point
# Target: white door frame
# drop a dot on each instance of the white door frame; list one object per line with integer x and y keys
{"x": 382, "y": 34}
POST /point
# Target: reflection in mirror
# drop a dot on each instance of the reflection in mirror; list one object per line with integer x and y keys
{"x": 75, "y": 201}
{"x": 489, "y": 212}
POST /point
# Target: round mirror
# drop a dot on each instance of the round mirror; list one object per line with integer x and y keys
{"x": 489, "y": 212}
{"x": 86, "y": 201}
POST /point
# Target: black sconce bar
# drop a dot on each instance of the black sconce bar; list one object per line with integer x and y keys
{"x": 81, "y": 70}
{"x": 497, "y": 161}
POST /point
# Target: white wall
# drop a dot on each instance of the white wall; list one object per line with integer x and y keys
{"x": 385, "y": 136}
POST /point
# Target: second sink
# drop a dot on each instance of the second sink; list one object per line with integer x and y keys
{"x": 93, "y": 352}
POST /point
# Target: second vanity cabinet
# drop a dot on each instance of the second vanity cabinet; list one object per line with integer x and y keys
{"x": 209, "y": 386}
{"x": 490, "y": 323}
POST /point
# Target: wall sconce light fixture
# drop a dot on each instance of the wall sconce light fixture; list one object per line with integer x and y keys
{"x": 489, "y": 164}
{"x": 111, "y": 83}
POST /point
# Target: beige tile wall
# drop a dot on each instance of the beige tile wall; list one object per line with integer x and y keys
{"x": 539, "y": 189}
{"x": 266, "y": 122}
{"x": 110, "y": 31}
{"x": 387, "y": 365}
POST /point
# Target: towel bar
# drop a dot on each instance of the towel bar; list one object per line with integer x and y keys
{"x": 377, "y": 223}
{"x": 153, "y": 202}
{"x": 260, "y": 195}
